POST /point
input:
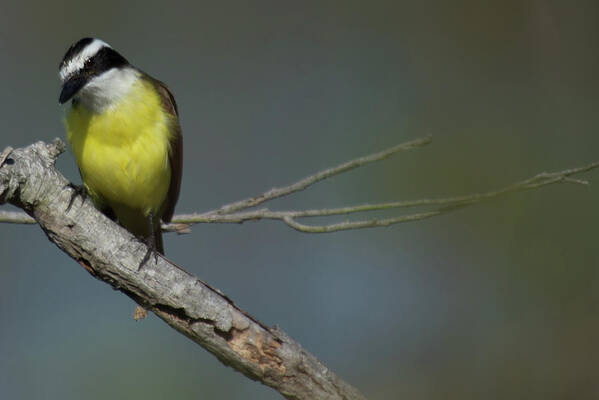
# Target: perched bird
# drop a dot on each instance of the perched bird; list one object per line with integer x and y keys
{"x": 123, "y": 128}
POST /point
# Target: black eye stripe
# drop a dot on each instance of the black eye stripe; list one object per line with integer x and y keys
{"x": 106, "y": 58}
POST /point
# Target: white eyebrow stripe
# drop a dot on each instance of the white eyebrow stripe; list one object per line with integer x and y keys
{"x": 78, "y": 61}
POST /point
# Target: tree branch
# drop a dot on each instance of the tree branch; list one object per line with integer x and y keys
{"x": 29, "y": 181}
{"x": 111, "y": 254}
{"x": 224, "y": 214}
{"x": 319, "y": 176}
{"x": 234, "y": 212}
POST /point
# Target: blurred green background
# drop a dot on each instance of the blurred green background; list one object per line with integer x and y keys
{"x": 495, "y": 301}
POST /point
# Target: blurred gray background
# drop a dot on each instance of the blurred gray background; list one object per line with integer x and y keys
{"x": 495, "y": 301}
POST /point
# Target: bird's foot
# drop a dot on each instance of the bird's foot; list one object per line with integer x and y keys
{"x": 78, "y": 190}
{"x": 152, "y": 250}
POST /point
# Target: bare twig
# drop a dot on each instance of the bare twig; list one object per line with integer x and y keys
{"x": 343, "y": 226}
{"x": 446, "y": 205}
{"x": 319, "y": 176}
{"x": 16, "y": 217}
{"x": 234, "y": 212}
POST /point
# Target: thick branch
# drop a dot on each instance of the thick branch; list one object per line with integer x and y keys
{"x": 29, "y": 180}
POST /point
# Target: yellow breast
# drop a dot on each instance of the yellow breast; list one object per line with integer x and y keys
{"x": 122, "y": 152}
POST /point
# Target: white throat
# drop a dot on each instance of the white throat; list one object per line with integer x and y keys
{"x": 107, "y": 89}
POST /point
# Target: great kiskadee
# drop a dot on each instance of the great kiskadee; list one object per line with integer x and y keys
{"x": 123, "y": 128}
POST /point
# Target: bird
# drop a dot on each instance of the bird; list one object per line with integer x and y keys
{"x": 123, "y": 129}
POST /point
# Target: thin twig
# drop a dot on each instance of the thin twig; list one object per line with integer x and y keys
{"x": 319, "y": 176}
{"x": 16, "y": 217}
{"x": 447, "y": 204}
{"x": 227, "y": 214}
{"x": 347, "y": 225}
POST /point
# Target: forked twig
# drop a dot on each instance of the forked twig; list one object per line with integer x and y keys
{"x": 238, "y": 212}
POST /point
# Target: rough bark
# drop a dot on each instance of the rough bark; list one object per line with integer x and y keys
{"x": 111, "y": 254}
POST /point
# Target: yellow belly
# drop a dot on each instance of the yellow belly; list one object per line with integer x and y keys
{"x": 122, "y": 152}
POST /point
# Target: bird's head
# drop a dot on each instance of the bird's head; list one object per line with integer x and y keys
{"x": 94, "y": 73}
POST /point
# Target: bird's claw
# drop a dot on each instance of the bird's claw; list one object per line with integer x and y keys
{"x": 151, "y": 250}
{"x": 78, "y": 190}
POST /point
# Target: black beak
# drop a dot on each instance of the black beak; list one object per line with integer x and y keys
{"x": 71, "y": 87}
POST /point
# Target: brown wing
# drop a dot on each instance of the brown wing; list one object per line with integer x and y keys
{"x": 175, "y": 156}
